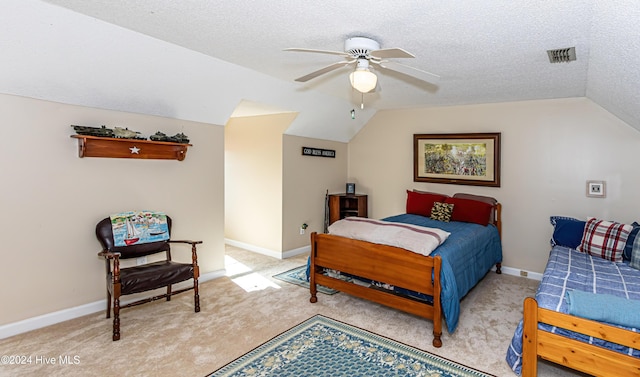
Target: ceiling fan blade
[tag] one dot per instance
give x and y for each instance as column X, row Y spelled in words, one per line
column 324, row 70
column 408, row 70
column 391, row 53
column 341, row 53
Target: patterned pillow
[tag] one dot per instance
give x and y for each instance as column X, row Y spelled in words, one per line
column 628, row 247
column 442, row 211
column 605, row 239
column 635, row 254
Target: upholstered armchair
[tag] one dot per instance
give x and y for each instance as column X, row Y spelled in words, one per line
column 146, row 277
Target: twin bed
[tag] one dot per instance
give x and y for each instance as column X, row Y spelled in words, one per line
column 430, row 286
column 560, row 325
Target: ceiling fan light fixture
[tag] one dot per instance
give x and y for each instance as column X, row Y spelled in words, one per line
column 363, row 80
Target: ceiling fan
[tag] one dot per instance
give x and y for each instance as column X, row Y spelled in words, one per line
column 365, row 53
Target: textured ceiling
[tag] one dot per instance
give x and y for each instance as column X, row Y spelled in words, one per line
column 484, row 50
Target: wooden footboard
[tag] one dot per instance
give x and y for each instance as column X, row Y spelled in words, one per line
column 388, row 264
column 575, row 354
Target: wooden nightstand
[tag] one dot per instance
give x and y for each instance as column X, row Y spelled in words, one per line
column 343, row 205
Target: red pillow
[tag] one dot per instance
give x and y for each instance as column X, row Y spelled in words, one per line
column 470, row 211
column 419, row 203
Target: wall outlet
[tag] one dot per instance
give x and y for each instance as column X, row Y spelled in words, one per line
column 523, row 273
column 141, row 260
column 301, row 230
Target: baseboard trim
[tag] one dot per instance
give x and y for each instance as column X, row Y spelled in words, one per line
column 48, row 319
column 298, row 251
column 518, row 272
column 255, row 249
column 268, row 252
column 29, row 324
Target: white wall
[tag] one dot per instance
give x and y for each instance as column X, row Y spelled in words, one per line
column 51, row 201
column 550, row 149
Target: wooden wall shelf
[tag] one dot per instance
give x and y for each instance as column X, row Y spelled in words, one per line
column 95, row 146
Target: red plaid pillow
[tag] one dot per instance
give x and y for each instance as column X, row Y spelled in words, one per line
column 604, row 239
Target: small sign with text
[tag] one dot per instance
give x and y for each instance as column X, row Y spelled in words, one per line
column 307, row 151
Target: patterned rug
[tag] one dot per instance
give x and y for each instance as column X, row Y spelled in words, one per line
column 321, row 346
column 298, row 276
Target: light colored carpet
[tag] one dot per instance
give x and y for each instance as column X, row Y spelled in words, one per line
column 169, row 339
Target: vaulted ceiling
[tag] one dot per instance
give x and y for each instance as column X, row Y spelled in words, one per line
column 483, row 50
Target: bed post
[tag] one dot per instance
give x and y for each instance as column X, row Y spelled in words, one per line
column 498, row 223
column 530, row 338
column 498, row 218
column 437, row 305
column 312, row 270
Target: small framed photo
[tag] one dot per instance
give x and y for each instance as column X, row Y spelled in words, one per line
column 351, row 189
column 596, row 189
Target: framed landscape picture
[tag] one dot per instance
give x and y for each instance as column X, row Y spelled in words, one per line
column 461, row 159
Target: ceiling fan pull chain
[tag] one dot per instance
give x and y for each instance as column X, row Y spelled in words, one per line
column 361, row 101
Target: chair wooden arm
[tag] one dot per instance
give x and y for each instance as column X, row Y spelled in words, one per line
column 185, row 241
column 109, row 254
column 194, row 257
column 115, row 271
column 194, row 254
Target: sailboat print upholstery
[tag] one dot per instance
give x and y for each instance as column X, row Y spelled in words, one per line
column 128, row 280
column 136, row 227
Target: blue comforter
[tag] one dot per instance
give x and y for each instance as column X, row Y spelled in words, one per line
column 571, row 270
column 467, row 255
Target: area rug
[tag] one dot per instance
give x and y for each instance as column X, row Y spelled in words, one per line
column 298, row 276
column 321, row 346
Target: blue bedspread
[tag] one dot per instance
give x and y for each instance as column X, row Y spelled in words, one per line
column 470, row 251
column 568, row 269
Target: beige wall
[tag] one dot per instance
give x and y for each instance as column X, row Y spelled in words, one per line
column 271, row 188
column 306, row 181
column 550, row 149
column 52, row 199
column 253, row 169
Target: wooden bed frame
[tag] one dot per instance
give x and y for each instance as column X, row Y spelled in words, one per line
column 388, row 264
column 573, row 353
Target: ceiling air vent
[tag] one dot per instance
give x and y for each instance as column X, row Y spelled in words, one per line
column 562, row 55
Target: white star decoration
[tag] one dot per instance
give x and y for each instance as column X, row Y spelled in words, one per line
column 135, row 150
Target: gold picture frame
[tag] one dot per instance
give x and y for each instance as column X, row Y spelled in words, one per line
column 461, row 159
